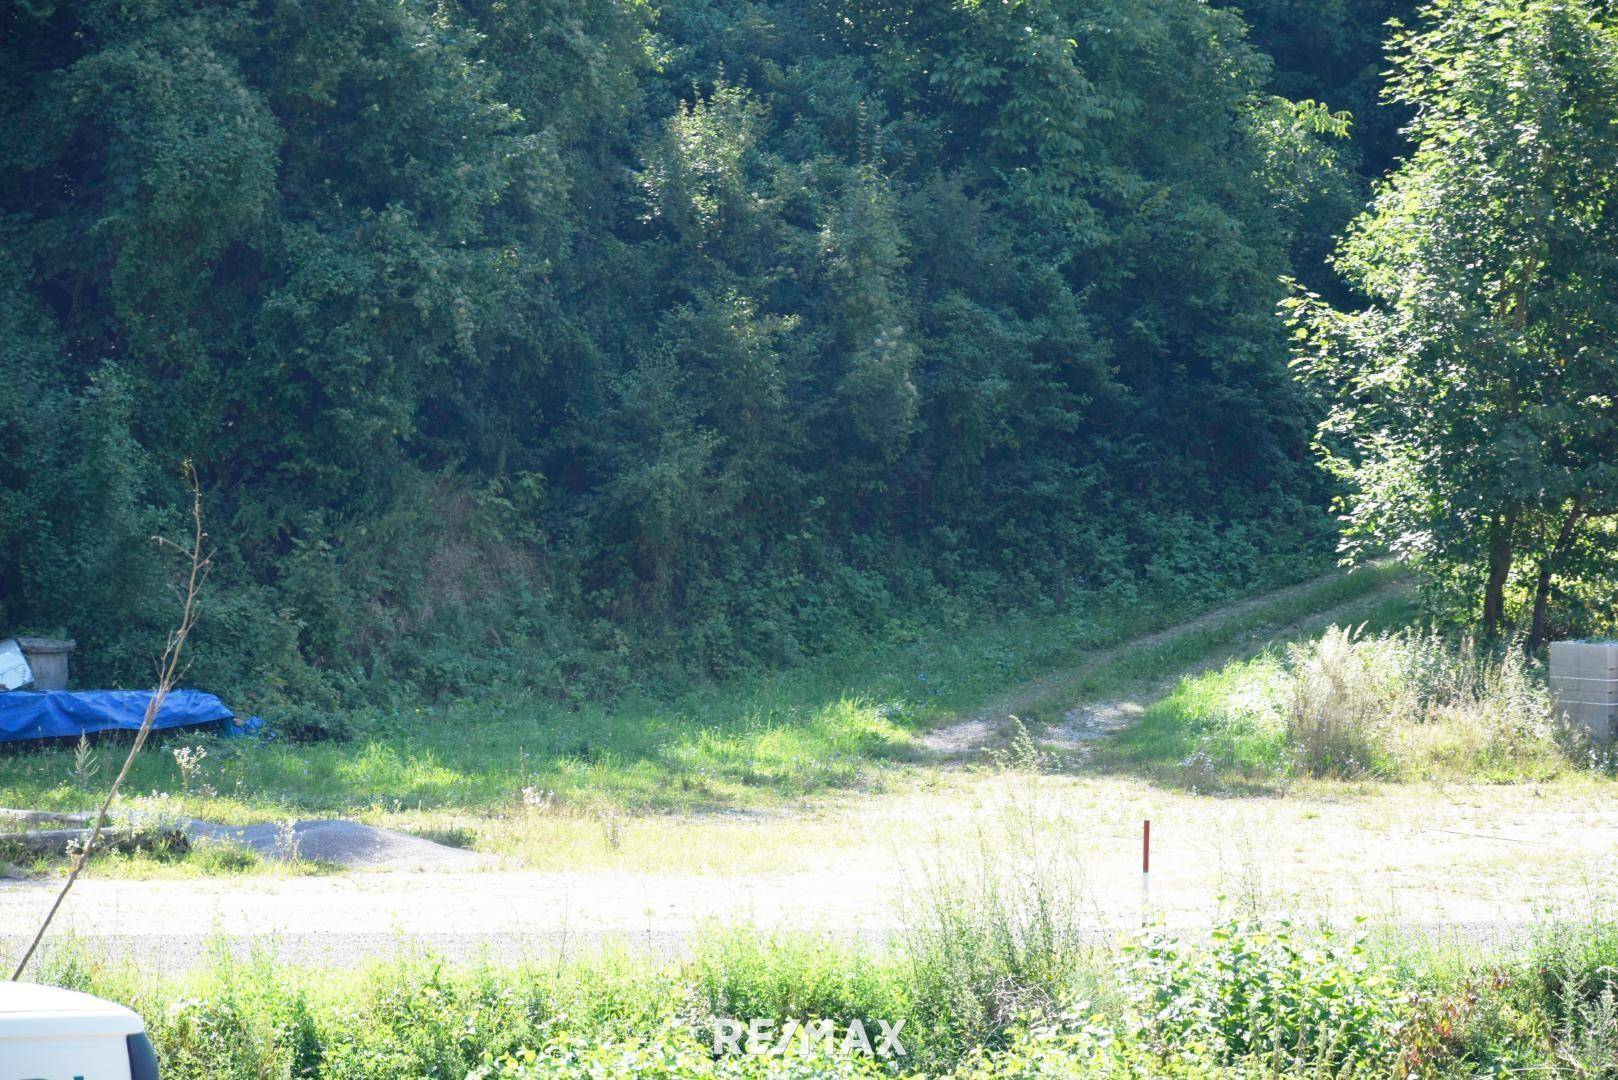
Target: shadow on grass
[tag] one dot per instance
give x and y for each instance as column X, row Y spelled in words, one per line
column 836, row 724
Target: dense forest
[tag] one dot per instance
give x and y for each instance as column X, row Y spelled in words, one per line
column 563, row 344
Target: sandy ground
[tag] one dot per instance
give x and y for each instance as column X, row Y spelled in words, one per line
column 1477, row 856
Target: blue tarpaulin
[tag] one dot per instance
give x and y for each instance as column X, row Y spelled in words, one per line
column 69, row 713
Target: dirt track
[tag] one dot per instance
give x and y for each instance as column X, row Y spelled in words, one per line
column 974, row 732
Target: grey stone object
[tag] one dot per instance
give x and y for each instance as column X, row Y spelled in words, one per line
column 47, row 658
column 1584, row 681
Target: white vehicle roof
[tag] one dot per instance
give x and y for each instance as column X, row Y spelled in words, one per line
column 30, row 1011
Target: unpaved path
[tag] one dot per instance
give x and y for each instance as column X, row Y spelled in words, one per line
column 1086, row 721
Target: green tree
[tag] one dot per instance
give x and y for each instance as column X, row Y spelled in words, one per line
column 1333, row 51
column 1473, row 398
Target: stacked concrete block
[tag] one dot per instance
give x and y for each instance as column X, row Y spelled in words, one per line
column 1584, row 679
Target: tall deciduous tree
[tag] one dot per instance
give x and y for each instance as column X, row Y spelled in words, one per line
column 1475, row 399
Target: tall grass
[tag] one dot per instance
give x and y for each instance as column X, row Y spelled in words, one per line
column 993, row 930
column 1397, row 705
column 1414, row 703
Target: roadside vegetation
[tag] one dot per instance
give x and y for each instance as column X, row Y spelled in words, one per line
column 1003, row 993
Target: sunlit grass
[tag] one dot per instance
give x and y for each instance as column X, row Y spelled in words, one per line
column 623, row 783
column 1354, row 701
column 844, row 721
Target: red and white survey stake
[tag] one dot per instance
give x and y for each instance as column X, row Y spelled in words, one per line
column 1145, row 869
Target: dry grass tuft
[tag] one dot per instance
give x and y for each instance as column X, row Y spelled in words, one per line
column 1413, row 703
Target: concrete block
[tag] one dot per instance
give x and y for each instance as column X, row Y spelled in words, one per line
column 1592, row 659
column 1602, row 725
column 1584, row 681
column 1572, row 687
column 1586, row 718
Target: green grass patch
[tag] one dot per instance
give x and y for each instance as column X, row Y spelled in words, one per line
column 1220, row 722
column 834, row 724
column 1374, row 699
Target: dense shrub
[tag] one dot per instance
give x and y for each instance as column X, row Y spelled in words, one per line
column 1268, row 996
column 594, row 346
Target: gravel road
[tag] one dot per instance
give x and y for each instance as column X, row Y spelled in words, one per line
column 344, row 919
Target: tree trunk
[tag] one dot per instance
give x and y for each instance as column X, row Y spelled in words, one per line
column 1500, row 553
column 1547, row 571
